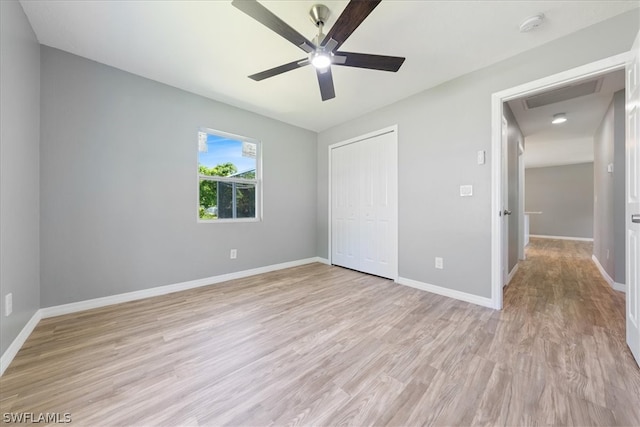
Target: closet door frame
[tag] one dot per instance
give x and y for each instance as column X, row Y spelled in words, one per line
column 388, row 130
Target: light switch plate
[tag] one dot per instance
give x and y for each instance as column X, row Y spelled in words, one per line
column 8, row 304
column 610, row 168
column 466, row 190
column 481, row 157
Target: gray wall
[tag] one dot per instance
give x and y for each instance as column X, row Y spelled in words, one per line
column 19, row 170
column 440, row 130
column 564, row 195
column 119, row 188
column 609, row 224
column 514, row 138
column 603, row 207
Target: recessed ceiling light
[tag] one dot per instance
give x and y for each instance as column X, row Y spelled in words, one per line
column 559, row 118
column 531, row 23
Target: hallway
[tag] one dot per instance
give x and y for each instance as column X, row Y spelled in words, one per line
column 570, row 326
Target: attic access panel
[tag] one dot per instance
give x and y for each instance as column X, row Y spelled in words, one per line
column 563, row 94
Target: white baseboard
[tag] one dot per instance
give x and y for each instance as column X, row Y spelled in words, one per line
column 614, row 285
column 323, row 260
column 580, row 239
column 451, row 293
column 620, row 287
column 19, row 341
column 74, row 307
column 512, row 273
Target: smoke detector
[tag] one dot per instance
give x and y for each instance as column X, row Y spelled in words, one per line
column 531, row 23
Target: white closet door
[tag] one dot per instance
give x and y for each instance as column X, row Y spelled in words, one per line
column 345, row 194
column 364, row 205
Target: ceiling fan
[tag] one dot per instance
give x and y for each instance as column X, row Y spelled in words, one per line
column 323, row 50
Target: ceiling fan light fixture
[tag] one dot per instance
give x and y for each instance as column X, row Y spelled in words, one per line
column 320, row 60
column 559, row 118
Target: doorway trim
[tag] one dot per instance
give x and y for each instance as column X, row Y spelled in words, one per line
column 391, row 129
column 603, row 66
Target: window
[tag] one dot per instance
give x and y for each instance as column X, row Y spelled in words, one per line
column 228, row 177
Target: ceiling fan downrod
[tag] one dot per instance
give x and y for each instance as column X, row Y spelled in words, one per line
column 319, row 15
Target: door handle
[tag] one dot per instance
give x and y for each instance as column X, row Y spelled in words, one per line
column 635, row 218
column 507, row 212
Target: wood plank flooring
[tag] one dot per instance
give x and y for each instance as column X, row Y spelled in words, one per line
column 320, row 345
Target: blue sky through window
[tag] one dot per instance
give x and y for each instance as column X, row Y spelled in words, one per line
column 222, row 150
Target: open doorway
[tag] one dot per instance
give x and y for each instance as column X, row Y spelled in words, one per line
column 502, row 202
column 630, row 63
column 564, row 171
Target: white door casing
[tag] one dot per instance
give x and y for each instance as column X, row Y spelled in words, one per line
column 363, row 203
column 632, row 183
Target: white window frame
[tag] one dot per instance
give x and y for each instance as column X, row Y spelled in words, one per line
column 257, row 182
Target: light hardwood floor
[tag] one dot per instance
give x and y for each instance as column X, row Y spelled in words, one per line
column 320, row 345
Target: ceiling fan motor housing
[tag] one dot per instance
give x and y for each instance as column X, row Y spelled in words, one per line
column 319, row 14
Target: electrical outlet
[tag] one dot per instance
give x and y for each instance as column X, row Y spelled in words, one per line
column 8, row 304
column 233, row 254
column 439, row 263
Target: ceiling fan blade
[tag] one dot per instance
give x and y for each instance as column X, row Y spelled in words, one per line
column 351, row 17
column 325, row 79
column 373, row 62
column 337, row 59
column 279, row 70
column 271, row 21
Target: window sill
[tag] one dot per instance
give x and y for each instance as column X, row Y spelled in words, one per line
column 227, row 220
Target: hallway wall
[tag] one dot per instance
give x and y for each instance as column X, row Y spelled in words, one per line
column 564, row 195
column 608, row 147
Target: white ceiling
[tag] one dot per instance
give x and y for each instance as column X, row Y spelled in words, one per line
column 210, row 47
column 571, row 142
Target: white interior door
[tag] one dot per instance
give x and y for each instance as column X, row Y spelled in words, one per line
column 633, row 200
column 505, row 200
column 523, row 229
column 364, row 205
